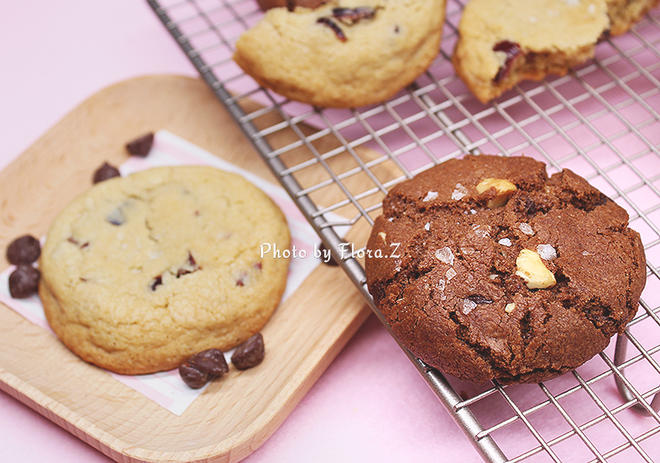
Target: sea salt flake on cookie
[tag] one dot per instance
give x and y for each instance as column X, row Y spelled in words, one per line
column 459, row 192
column 505, row 242
column 430, row 196
column 468, row 306
column 445, row 255
column 526, row 229
column 451, row 273
column 546, row 251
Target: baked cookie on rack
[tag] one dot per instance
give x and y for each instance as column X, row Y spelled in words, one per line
column 143, row 271
column 290, row 4
column 485, row 268
column 345, row 53
column 505, row 42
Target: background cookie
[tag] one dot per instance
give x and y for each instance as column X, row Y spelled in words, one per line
column 325, row 58
column 140, row 272
column 268, row 4
column 502, row 42
column 466, row 297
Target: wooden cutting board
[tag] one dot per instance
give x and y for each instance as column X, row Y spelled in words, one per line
column 233, row 416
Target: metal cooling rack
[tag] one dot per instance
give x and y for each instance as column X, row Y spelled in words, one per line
column 601, row 121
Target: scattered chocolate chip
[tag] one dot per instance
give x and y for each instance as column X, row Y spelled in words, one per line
column 105, row 172
column 512, row 51
column 210, row 361
column 141, row 146
column 334, row 26
column 24, row 281
column 116, row 217
column 203, row 367
column 156, row 282
column 250, row 353
column 23, row 250
column 324, row 253
column 350, row 16
column 193, row 378
column 479, row 299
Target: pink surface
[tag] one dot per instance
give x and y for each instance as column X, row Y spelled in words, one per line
column 370, row 404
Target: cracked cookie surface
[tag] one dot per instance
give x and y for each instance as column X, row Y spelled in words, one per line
column 141, row 272
column 519, row 290
column 338, row 56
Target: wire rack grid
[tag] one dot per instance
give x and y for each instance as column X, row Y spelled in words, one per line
column 601, row 120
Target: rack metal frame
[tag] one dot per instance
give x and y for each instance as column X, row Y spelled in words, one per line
column 625, row 75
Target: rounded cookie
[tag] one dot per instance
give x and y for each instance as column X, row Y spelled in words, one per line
column 485, row 268
column 345, row 53
column 141, row 272
column 502, row 42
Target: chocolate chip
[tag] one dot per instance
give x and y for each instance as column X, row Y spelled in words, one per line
column 512, row 51
column 74, row 241
column 350, row 16
column 23, row 250
column 105, row 172
column 605, row 35
column 189, row 267
column 328, row 22
column 116, row 217
column 324, row 253
column 141, row 146
column 479, row 299
column 193, row 378
column 156, row 282
column 210, row 361
column 250, row 353
column 24, row 281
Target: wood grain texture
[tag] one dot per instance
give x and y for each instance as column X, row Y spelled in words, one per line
column 233, row 416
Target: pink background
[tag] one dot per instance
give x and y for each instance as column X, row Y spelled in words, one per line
column 370, row 405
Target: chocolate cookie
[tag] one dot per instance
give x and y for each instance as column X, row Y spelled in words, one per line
column 492, row 270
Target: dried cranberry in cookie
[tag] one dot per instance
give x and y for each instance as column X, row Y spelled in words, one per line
column 520, row 290
column 502, row 42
